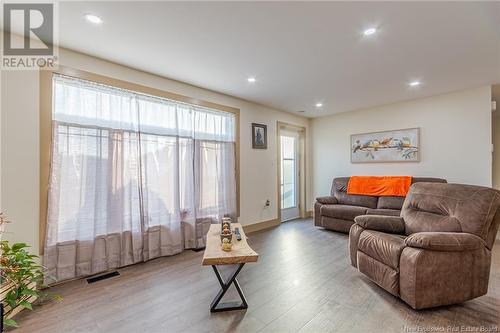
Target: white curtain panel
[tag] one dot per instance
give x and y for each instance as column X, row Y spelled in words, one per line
column 133, row 177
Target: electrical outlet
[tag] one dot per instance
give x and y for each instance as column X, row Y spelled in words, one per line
column 268, row 203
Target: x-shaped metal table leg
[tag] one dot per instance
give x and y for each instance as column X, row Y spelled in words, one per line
column 215, row 306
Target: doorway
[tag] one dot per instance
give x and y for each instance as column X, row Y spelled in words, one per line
column 291, row 172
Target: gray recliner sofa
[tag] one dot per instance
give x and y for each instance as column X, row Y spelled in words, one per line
column 337, row 211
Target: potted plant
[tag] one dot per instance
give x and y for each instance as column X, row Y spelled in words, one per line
column 21, row 278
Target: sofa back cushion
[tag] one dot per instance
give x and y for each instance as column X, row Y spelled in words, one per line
column 390, row 202
column 450, row 207
column 397, row 202
column 339, row 191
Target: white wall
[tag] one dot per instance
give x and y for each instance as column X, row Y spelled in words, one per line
column 20, row 141
column 455, row 139
column 496, row 137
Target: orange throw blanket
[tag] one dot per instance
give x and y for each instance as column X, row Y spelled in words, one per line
column 379, row 186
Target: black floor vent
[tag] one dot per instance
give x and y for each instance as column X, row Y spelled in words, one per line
column 199, row 250
column 103, row 277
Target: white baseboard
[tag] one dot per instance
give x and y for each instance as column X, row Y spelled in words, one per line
column 260, row 226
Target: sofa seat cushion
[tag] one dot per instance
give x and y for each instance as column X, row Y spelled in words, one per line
column 385, row 212
column 332, row 223
column 343, row 212
column 383, row 247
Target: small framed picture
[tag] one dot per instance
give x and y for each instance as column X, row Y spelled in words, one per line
column 259, row 136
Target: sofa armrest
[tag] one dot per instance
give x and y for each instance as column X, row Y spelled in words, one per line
column 327, row 200
column 445, row 241
column 389, row 224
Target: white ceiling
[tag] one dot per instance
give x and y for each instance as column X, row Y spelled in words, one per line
column 300, row 53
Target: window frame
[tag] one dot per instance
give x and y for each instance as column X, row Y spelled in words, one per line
column 46, row 108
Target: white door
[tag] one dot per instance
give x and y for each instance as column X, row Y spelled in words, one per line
column 289, row 186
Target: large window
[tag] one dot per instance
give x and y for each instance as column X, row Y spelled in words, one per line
column 133, row 176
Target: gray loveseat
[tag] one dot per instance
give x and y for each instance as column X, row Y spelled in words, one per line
column 337, row 211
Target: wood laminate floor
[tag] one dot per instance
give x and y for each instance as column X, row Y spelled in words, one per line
column 303, row 282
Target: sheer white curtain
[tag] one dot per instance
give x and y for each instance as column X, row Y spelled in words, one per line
column 133, row 177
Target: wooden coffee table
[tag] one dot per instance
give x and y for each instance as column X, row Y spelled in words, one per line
column 240, row 254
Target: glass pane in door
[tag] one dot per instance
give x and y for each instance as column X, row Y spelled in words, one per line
column 288, row 172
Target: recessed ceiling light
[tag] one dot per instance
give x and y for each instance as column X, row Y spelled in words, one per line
column 318, row 105
column 93, row 19
column 251, row 79
column 414, row 83
column 370, row 31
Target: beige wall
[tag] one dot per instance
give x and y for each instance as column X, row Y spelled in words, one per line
column 20, row 139
column 19, row 159
column 455, row 139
